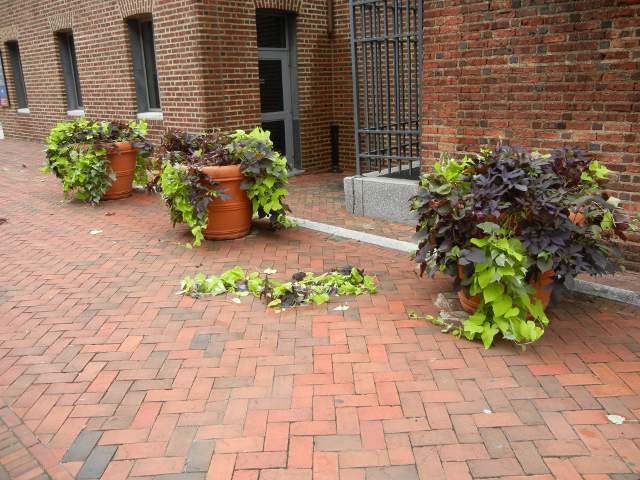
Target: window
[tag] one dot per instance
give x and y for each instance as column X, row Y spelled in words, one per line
column 144, row 64
column 4, row 96
column 18, row 78
column 70, row 70
column 272, row 29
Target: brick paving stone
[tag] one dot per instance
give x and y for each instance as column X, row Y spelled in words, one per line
column 199, row 455
column 82, row 446
column 97, row 462
column 403, row 472
column 105, row 369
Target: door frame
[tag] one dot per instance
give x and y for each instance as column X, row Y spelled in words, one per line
column 286, row 114
column 289, row 62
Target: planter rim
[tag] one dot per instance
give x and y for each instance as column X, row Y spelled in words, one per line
column 119, row 146
column 228, row 172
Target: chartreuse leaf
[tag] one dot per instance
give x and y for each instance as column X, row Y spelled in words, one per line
column 501, row 305
column 488, row 333
column 231, row 277
column 471, row 329
column 485, row 277
column 492, row 292
column 478, row 318
column 479, row 242
column 512, row 312
column 255, row 284
column 489, row 227
column 320, row 298
column 369, row 284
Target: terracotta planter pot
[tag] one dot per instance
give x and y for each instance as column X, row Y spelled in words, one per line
column 543, row 287
column 229, row 217
column 122, row 160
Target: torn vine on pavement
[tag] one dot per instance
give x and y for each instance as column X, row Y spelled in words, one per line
column 303, row 287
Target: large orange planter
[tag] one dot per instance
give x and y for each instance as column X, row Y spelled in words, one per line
column 122, row 160
column 543, row 287
column 229, row 217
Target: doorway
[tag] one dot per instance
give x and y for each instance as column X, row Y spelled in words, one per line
column 277, row 71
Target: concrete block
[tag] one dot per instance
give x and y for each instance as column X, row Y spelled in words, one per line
column 348, row 193
column 375, row 196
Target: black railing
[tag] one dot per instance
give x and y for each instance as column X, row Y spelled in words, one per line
column 386, row 54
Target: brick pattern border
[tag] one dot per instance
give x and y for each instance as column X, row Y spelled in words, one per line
column 25, row 456
column 129, row 8
column 287, row 5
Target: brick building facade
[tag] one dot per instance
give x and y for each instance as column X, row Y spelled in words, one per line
column 207, row 65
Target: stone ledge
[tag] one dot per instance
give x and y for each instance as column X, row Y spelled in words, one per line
column 376, row 196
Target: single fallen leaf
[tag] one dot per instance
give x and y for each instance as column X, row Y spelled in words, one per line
column 109, row 214
column 236, row 300
column 341, row 308
column 487, row 411
column 269, row 271
column 95, row 232
column 617, row 419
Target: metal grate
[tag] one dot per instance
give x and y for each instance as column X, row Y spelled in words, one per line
column 386, row 53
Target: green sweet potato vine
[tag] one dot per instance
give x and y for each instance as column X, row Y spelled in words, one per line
column 266, row 172
column 187, row 192
column 77, row 154
column 507, row 304
column 302, row 288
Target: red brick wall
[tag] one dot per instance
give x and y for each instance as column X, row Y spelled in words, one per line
column 207, row 64
column 541, row 74
column 342, row 85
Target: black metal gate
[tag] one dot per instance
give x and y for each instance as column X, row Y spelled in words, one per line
column 386, row 59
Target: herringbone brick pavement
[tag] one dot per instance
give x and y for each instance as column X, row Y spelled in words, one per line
column 116, row 376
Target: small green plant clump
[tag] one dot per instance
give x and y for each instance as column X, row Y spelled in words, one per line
column 506, row 302
column 77, row 154
column 302, row 288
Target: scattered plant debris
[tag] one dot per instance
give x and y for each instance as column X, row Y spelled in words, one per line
column 617, row 419
column 303, row 288
column 452, row 327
